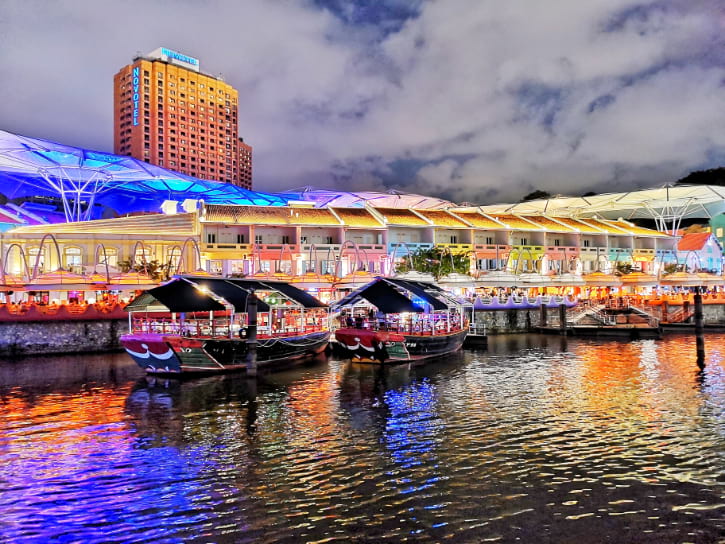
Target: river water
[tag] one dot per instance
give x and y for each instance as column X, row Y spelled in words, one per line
column 536, row 439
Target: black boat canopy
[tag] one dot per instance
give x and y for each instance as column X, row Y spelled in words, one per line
column 422, row 290
column 204, row 294
column 385, row 295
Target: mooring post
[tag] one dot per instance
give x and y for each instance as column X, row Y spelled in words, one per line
column 699, row 329
column 252, row 335
column 562, row 319
column 543, row 317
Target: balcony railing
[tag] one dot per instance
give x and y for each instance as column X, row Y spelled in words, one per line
column 412, row 246
column 245, row 248
column 455, row 248
column 562, row 251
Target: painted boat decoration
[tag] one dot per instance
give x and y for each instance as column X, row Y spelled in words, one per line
column 390, row 320
column 199, row 324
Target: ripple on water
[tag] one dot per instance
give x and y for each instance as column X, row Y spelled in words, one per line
column 536, row 439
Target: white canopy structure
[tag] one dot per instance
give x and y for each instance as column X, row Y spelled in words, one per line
column 667, row 206
column 80, row 178
column 392, row 199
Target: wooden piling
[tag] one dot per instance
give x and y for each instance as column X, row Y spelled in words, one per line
column 252, row 335
column 562, row 319
column 699, row 330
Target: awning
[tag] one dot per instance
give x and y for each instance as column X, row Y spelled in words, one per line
column 204, row 294
column 382, row 295
column 177, row 296
column 419, row 289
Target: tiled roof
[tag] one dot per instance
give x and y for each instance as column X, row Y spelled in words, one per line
column 176, row 225
column 442, row 218
column 516, row 222
column 478, row 220
column 611, row 227
column 357, row 217
column 634, row 229
column 581, row 226
column 693, row 241
column 399, row 216
column 549, row 224
column 269, row 215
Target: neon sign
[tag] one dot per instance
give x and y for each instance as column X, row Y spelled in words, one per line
column 178, row 56
column 135, row 74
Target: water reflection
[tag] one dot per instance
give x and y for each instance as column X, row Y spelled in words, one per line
column 536, row 439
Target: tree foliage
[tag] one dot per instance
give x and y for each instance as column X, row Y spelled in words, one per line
column 154, row 269
column 713, row 176
column 536, row 195
column 436, row 261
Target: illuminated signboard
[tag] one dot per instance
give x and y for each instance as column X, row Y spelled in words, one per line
column 178, row 56
column 136, row 76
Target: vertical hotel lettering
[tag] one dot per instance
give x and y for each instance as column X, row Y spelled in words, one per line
column 135, row 95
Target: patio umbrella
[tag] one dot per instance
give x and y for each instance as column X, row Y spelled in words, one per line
column 456, row 279
column 711, row 280
column 639, row 279
column 600, row 279
column 682, row 279
column 59, row 280
column 497, row 278
column 131, row 281
column 534, row 280
column 567, row 280
column 414, row 275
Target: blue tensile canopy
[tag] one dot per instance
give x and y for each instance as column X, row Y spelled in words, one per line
column 82, row 178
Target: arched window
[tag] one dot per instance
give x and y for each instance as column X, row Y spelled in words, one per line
column 110, row 257
column 143, row 254
column 173, row 257
column 73, row 259
column 33, row 257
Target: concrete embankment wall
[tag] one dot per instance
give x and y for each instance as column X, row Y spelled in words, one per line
column 713, row 314
column 510, row 321
column 36, row 338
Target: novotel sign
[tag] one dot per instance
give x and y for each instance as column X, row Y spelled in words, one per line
column 178, row 56
column 136, row 76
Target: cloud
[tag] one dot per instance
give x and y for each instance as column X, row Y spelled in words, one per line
column 473, row 100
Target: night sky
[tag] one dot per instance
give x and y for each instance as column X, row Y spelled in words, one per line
column 472, row 100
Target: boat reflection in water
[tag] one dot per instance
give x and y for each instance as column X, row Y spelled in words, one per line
column 537, row 439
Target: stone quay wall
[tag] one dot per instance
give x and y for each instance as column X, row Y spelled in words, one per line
column 37, row 338
column 510, row 321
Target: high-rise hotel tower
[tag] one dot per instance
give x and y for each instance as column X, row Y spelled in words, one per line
column 167, row 112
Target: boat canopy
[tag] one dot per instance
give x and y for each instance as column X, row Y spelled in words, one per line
column 385, row 294
column 204, row 294
column 423, row 290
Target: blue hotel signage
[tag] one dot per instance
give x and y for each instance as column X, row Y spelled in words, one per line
column 135, row 74
column 178, row 56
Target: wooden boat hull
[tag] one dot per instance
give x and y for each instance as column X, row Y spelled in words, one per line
column 172, row 354
column 382, row 347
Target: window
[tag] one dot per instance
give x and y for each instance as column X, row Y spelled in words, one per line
column 110, row 257
column 257, row 238
column 489, row 240
column 586, row 243
column 240, row 237
column 72, row 257
column 557, row 242
column 285, row 239
column 211, row 238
